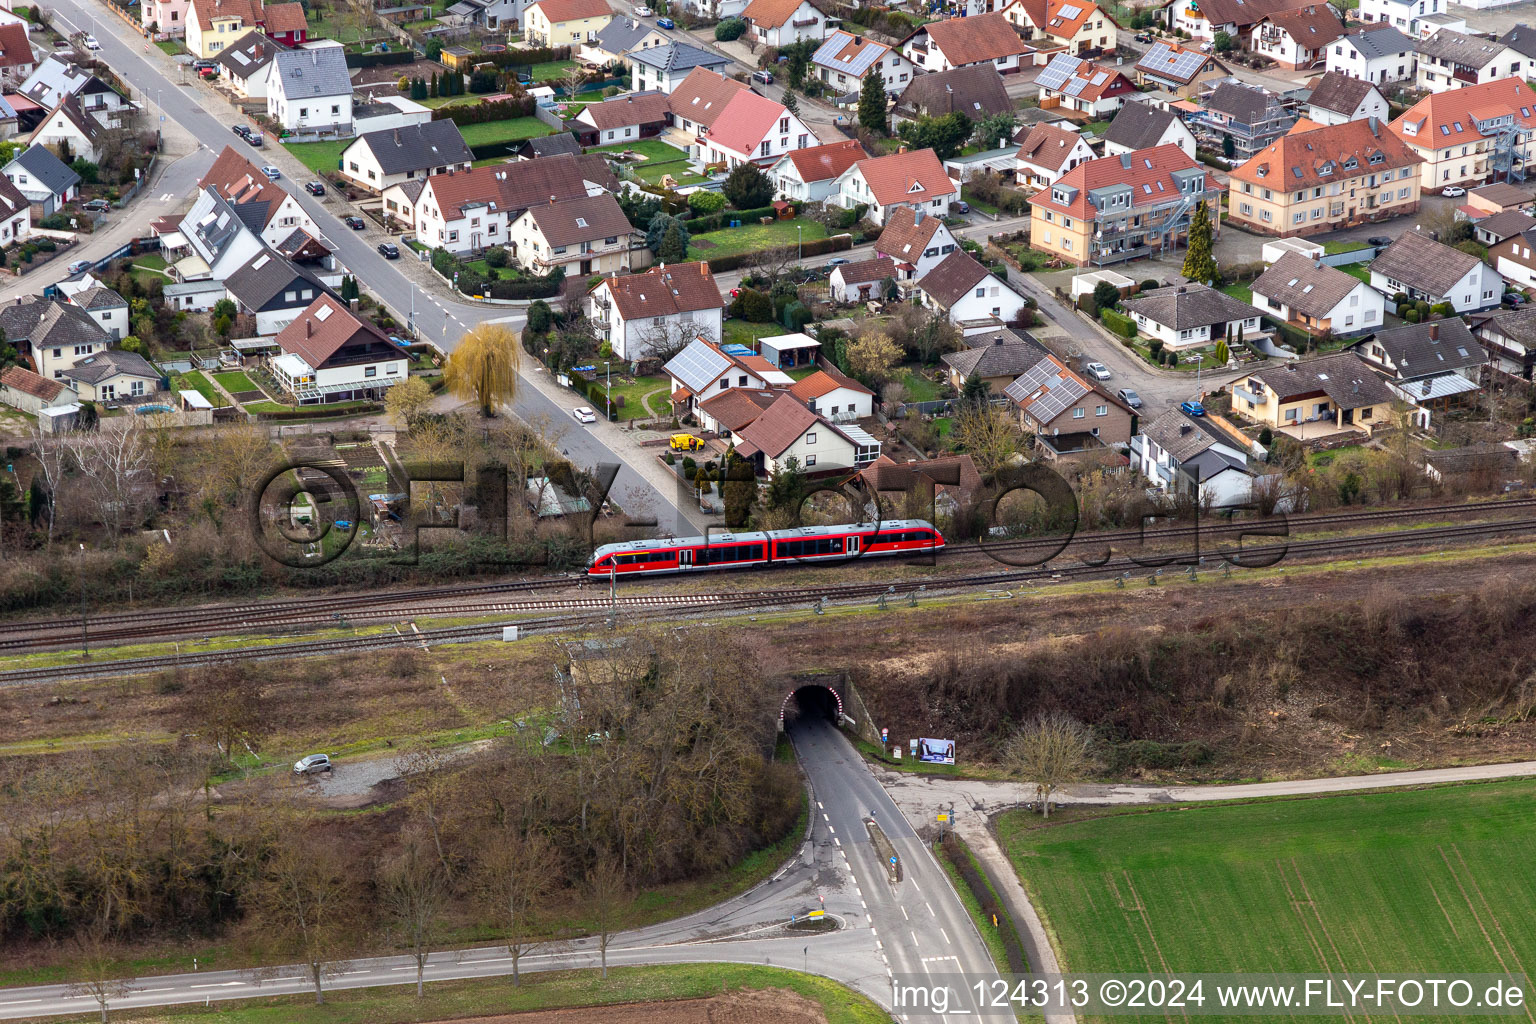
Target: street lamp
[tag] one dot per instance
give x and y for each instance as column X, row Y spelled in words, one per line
column 799, row 243
column 608, row 368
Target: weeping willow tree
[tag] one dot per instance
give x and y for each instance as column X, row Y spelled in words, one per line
column 484, row 367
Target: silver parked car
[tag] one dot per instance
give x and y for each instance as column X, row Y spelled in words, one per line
column 312, row 764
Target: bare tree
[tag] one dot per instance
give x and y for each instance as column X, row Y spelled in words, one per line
column 668, row 338
column 98, row 968
column 516, row 871
column 991, row 436
column 771, row 264
column 1050, row 751
column 303, row 899
column 426, row 771
column 413, row 890
column 606, row 894
column 51, row 456
column 228, row 710
column 115, row 467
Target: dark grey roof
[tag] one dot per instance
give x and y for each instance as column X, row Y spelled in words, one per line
column 99, row 297
column 1515, row 324
column 249, row 54
column 1184, row 437
column 1339, row 93
column 678, row 57
column 1521, row 39
column 1139, row 126
column 1344, row 377
column 621, row 34
column 310, row 73
column 262, row 282
column 1187, row 306
column 1007, row 354
column 222, row 223
column 412, row 189
column 1457, row 48
column 1413, row 353
column 955, row 275
column 975, row 91
column 1419, row 261
column 558, row 144
column 1210, row 462
column 1506, row 225
column 1381, row 42
column 54, row 174
column 417, row 146
column 48, row 323
column 1303, row 285
column 97, row 368
column 1244, row 103
column 1505, row 194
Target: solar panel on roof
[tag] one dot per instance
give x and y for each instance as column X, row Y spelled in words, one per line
column 1070, row 11
column 1101, row 78
column 697, row 365
column 1076, row 86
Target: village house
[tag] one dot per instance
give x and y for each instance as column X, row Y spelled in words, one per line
column 589, row 235
column 987, row 39
column 22, row 389
column 1251, row 116
column 1471, row 135
column 329, row 354
column 1424, row 269
column 264, row 206
column 1122, row 207
column 788, row 430
column 102, row 304
column 214, row 24
column 1513, row 257
column 310, row 91
column 1380, row 55
column 1434, row 365
column 1451, row 60
column 726, row 123
column 1507, row 335
column 1191, row 456
column 565, row 22
column 1314, row 398
column 53, row 333
column 380, row 159
column 1326, row 179
column 916, row 242
column 69, row 129
column 976, row 91
column 286, row 24
column 1490, row 231
column 1070, row 416
column 784, row 22
column 1337, row 98
column 703, row 369
column 15, row 213
column 112, row 376
column 952, row 479
column 832, row 394
column 726, row 412
column 17, row 61
column 1191, row 316
column 1317, row 298
column 466, row 211
column 911, row 178
column 626, row 118
column 619, row 37
column 1078, row 26
column 667, row 67
column 971, row 296
column 1297, row 38
column 1499, row 197
column 164, row 19
column 1143, row 126
column 1403, row 15
column 1203, row 19
column 860, row 281
column 810, row 175
column 56, row 78
column 273, row 290
column 1048, row 152
column 1522, row 39
column 1176, row 71
column 246, row 64
column 997, row 359
column 641, row 313
column 1082, row 86
column 844, row 60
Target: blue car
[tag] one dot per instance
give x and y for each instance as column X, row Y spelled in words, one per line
column 1192, row 408
column 665, row 23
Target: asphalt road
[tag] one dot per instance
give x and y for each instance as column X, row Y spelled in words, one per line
column 194, row 107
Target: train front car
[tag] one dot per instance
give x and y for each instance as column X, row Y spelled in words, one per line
column 806, row 544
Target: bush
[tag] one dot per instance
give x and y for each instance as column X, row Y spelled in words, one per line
column 752, row 306
column 706, row 202
column 482, row 82
column 1106, row 295
column 1155, row 347
column 796, row 316
column 55, row 222
column 669, row 459
column 730, row 30
column 1266, row 437
column 1149, row 284
column 697, row 225
column 497, row 257
column 1442, row 309
column 1119, row 323
column 689, row 466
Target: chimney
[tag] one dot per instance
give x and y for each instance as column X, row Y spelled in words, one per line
column 1434, row 332
column 901, row 148
column 997, row 340
column 1185, row 428
column 1182, row 290
column 917, row 216
column 309, row 325
column 397, row 136
column 703, row 269
column 1375, row 126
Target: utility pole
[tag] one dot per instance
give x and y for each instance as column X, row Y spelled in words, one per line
column 85, row 634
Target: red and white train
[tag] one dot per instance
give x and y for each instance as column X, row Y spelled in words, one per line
column 774, row 547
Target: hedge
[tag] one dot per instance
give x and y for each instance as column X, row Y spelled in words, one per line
column 480, row 113
column 527, row 288
column 321, row 412
column 532, row 55
column 375, row 60
column 960, row 857
column 716, row 221
column 815, row 247
column 1118, row 322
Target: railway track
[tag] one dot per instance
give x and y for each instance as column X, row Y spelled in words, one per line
column 302, row 613
column 643, row 607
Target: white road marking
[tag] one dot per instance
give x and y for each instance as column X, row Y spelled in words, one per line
column 904, row 916
column 838, row 841
column 818, row 802
column 914, row 937
column 20, row 1002
column 930, row 907
column 946, row 935
column 218, row 984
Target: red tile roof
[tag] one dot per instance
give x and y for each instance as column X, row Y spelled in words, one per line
column 985, row 37
column 855, row 46
column 823, row 163
column 517, row 186
column 1060, row 22
column 865, row 271
column 734, row 408
column 913, row 176
column 703, row 96
column 771, row 13
column 1450, row 118
column 1046, row 145
column 1312, row 27
column 240, row 181
column 663, row 291
column 1149, row 174
column 746, row 120
column 1112, row 83
column 905, row 237
column 249, row 12
column 15, row 49
column 781, row 425
column 323, row 328
column 824, row 382
column 285, row 18
column 1321, row 155
column 24, row 380
column 572, row 10
column 636, row 108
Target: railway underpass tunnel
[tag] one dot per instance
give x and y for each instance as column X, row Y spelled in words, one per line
column 812, row 701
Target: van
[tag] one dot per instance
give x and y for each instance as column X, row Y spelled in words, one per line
column 685, row 443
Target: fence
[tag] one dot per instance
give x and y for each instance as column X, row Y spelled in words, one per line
column 1341, row 259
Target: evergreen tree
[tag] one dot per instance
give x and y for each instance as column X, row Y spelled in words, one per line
column 1228, row 147
column 1199, row 264
column 872, row 114
column 786, row 487
column 976, row 391
column 674, row 249
column 1223, row 353
column 436, row 86
column 37, row 501
column 790, row 103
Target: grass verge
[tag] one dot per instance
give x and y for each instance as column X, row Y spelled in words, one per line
column 320, row 157
column 989, row 933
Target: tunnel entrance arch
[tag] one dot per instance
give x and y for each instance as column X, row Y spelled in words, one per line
column 811, row 700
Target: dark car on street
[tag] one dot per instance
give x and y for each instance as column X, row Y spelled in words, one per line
column 315, row 188
column 389, row 250
column 354, row 222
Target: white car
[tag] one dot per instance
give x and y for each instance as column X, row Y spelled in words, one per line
column 643, row 12
column 1453, row 191
column 584, row 415
column 312, row 764
column 271, row 172
column 1098, row 371
column 91, row 43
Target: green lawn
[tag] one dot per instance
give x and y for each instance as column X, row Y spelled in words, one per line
column 195, row 380
column 235, row 381
column 632, row 393
column 1380, row 882
column 1358, row 270
column 1240, row 290
column 483, row 268
column 551, row 69
column 920, row 388
column 320, row 157
column 739, row 332
column 510, row 130
column 450, row 101
column 660, row 160
column 172, row 46
column 1334, row 248
column 753, row 238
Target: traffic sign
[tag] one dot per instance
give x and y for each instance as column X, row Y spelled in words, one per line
column 893, row 859
column 943, row 817
column 885, row 735
column 816, row 913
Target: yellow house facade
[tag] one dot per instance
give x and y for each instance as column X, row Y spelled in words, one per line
column 565, row 22
column 1316, row 397
column 214, row 24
